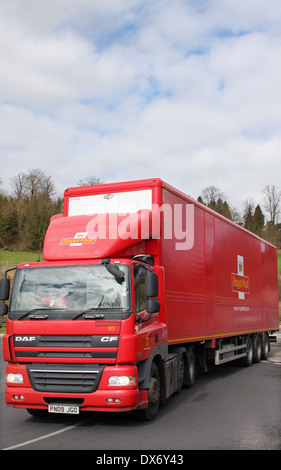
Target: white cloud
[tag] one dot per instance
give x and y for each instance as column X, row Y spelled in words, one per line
column 124, row 89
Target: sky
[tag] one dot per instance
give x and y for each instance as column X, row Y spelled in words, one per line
column 184, row 90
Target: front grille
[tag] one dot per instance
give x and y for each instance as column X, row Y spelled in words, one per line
column 65, row 378
column 67, row 355
column 67, row 341
column 66, row 346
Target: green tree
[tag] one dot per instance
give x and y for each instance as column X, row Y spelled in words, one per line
column 258, row 220
column 248, row 216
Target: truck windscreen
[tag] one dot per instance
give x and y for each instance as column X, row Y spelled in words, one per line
column 72, row 288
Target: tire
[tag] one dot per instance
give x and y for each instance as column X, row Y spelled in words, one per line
column 248, row 360
column 265, row 347
column 190, row 369
column 36, row 412
column 154, row 394
column 258, row 349
column 181, row 372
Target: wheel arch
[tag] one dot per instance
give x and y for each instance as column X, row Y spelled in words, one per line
column 158, row 355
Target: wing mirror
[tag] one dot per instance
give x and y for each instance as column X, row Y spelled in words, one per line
column 4, row 288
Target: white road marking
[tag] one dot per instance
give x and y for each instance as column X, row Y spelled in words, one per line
column 46, row 436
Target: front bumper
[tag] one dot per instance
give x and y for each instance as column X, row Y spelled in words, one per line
column 105, row 398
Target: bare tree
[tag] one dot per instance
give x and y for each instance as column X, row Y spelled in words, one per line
column 32, row 206
column 89, row 181
column 211, row 195
column 272, row 202
column 35, row 182
column 32, row 184
column 48, row 187
column 18, row 184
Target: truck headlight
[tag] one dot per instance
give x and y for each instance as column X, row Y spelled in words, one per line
column 122, row 380
column 14, row 378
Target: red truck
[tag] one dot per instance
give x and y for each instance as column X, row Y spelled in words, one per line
column 141, row 286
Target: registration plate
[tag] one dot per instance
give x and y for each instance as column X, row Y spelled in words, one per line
column 67, row 409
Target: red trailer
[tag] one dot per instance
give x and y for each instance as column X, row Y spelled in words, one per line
column 140, row 286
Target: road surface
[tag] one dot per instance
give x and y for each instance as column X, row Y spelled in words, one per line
column 230, row 407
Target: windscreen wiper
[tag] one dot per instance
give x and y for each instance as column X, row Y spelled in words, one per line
column 87, row 315
column 37, row 317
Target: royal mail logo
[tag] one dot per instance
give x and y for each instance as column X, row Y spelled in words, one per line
column 108, row 196
column 80, row 238
column 240, row 283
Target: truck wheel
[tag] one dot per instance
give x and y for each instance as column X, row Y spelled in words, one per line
column 154, row 393
column 181, row 372
column 190, row 369
column 248, row 360
column 38, row 413
column 258, row 349
column 265, row 347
